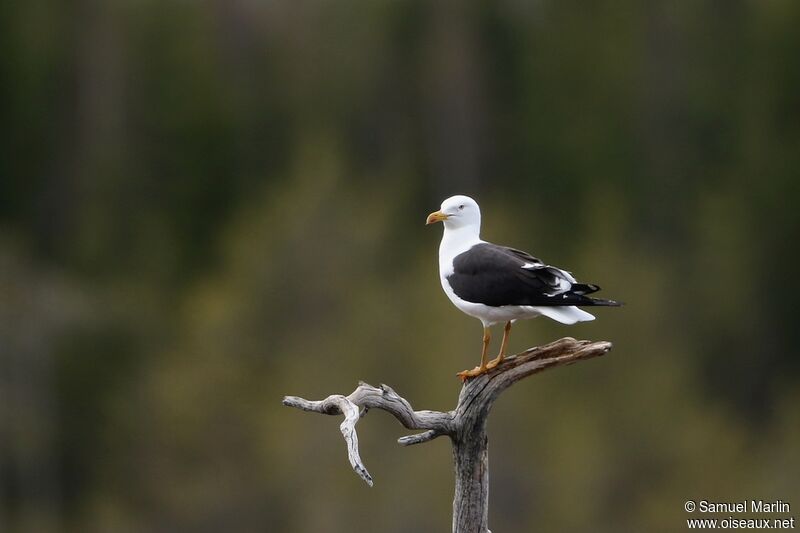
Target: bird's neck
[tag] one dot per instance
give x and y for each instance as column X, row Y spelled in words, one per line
column 456, row 241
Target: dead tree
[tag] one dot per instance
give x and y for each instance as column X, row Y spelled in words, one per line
column 465, row 425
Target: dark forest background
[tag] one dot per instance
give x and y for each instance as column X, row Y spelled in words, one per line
column 207, row 205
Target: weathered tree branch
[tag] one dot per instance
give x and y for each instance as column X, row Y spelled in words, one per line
column 465, row 425
column 368, row 397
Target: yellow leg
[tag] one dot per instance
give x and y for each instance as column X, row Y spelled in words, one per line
column 487, row 337
column 503, row 345
column 478, row 370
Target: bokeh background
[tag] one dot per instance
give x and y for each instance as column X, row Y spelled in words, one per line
column 207, row 205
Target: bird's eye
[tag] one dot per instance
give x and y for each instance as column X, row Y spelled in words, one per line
column 461, row 206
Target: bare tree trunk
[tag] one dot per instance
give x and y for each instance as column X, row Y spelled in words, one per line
column 465, row 425
column 471, row 501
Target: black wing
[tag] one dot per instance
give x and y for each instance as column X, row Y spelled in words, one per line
column 577, row 288
column 496, row 276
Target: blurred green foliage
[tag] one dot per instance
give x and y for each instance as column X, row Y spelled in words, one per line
column 205, row 206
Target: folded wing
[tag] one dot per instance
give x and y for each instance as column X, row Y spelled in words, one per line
column 497, row 276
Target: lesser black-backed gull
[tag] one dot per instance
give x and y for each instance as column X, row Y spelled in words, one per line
column 498, row 284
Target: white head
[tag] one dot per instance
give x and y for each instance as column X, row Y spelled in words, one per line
column 458, row 212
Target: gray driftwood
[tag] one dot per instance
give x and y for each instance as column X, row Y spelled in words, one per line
column 465, row 425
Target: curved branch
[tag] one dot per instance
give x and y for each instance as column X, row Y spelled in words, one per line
column 366, row 397
column 466, row 425
column 479, row 393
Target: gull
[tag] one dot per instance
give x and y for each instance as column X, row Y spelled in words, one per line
column 499, row 284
